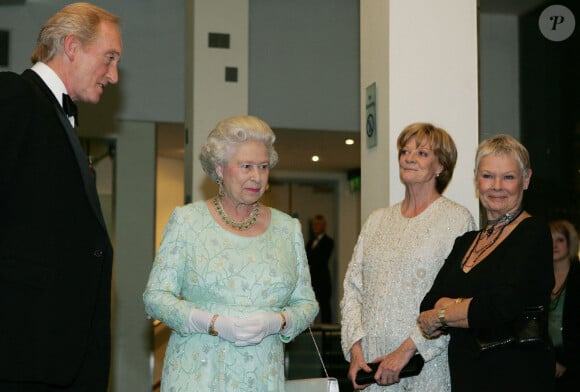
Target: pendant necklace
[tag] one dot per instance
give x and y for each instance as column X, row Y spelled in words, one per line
column 508, row 218
column 238, row 225
column 501, row 222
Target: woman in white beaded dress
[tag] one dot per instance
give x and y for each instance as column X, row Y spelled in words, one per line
column 231, row 277
column 397, row 256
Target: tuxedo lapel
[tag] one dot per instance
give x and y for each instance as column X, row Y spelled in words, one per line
column 87, row 177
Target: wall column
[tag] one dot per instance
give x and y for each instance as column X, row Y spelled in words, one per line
column 422, row 55
column 135, row 229
column 208, row 96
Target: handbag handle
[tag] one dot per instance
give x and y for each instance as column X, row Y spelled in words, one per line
column 318, row 351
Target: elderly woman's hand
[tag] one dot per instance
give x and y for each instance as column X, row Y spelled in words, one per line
column 391, row 364
column 240, row 331
column 429, row 323
column 357, row 362
column 254, row 329
column 444, row 301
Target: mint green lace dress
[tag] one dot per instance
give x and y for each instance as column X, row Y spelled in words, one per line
column 201, row 265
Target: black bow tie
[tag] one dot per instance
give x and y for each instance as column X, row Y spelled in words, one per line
column 70, row 108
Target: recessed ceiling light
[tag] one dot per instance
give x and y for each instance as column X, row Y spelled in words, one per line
column 315, row 158
column 349, row 142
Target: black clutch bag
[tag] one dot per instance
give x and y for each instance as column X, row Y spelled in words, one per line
column 411, row 369
column 530, row 330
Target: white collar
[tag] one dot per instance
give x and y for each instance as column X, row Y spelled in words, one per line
column 51, row 79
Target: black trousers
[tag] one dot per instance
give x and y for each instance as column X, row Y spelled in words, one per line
column 93, row 375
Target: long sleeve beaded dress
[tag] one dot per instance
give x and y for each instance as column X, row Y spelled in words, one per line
column 201, row 265
column 393, row 265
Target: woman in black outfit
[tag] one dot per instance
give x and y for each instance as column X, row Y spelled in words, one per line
column 564, row 320
column 490, row 277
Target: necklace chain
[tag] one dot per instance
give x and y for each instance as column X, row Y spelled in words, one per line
column 238, row 225
column 507, row 218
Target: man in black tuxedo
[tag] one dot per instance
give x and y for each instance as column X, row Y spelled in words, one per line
column 55, row 252
column 318, row 250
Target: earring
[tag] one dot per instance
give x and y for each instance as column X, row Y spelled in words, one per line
column 437, row 174
column 220, row 182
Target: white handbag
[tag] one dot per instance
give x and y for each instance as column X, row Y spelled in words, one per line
column 319, row 384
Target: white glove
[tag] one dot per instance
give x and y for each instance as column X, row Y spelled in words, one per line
column 242, row 332
column 255, row 328
column 199, row 320
column 228, row 328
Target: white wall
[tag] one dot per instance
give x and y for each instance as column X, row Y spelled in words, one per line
column 209, row 98
column 375, row 68
column 424, row 73
column 304, row 63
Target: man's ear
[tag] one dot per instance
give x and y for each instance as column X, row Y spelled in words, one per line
column 70, row 45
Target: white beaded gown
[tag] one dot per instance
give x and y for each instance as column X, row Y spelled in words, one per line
column 393, row 265
column 201, row 265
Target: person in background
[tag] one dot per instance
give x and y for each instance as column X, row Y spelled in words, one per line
column 491, row 277
column 318, row 251
column 55, row 252
column 564, row 317
column 231, row 277
column 397, row 255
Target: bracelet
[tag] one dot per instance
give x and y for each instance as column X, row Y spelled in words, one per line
column 441, row 316
column 211, row 329
column 283, row 325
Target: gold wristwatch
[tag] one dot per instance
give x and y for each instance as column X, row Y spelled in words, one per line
column 211, row 329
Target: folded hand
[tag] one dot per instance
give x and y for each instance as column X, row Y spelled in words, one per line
column 253, row 329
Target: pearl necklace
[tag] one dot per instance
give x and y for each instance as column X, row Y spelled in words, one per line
column 238, row 225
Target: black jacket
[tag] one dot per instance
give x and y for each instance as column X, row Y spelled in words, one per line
column 55, row 253
column 570, row 356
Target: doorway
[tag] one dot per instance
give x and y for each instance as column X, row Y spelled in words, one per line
column 303, row 199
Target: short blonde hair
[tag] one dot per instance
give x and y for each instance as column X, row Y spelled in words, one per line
column 504, row 145
column 439, row 141
column 230, row 132
column 79, row 19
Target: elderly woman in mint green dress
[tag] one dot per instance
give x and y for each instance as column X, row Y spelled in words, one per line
column 231, row 277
